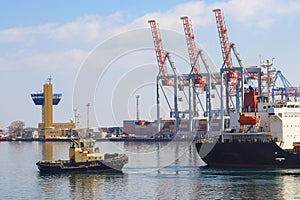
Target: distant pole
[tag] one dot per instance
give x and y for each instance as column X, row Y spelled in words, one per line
column 88, row 116
column 75, row 116
column 137, row 108
column 78, row 120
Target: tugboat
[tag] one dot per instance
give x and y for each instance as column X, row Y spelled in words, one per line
column 83, row 157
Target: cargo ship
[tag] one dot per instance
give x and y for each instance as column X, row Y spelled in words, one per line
column 263, row 117
column 83, row 157
column 265, row 135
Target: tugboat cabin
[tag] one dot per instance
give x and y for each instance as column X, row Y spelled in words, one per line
column 83, row 151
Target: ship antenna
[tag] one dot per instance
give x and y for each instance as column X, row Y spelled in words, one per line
column 88, row 118
column 50, row 79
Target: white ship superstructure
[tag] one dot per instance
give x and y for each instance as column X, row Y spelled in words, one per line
column 285, row 123
column 280, row 119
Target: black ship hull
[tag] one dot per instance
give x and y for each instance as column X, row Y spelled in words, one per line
column 112, row 163
column 246, row 155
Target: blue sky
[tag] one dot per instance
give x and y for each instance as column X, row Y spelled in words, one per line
column 33, row 12
column 43, row 38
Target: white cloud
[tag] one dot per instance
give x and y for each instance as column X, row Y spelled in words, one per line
column 261, row 13
column 265, row 23
column 32, row 60
column 84, row 30
column 94, row 28
column 54, row 41
column 55, row 45
column 199, row 12
column 25, row 34
column 55, row 60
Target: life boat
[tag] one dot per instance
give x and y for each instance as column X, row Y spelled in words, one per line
column 247, row 120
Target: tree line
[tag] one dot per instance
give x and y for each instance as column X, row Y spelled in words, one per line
column 16, row 128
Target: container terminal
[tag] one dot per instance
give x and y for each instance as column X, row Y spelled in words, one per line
column 200, row 117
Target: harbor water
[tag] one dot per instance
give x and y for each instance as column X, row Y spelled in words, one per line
column 155, row 171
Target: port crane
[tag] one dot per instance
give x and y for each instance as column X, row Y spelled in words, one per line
column 287, row 91
column 163, row 77
column 161, row 55
column 234, row 77
column 231, row 75
column 199, row 81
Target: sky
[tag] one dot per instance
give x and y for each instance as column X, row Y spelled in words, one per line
column 55, row 38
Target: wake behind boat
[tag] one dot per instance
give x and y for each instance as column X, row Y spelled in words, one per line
column 83, row 157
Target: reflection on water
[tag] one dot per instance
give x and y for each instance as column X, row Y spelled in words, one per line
column 182, row 179
column 55, row 150
column 95, row 186
column 174, row 182
column 256, row 183
column 147, row 157
column 48, row 151
column 290, row 185
column 82, row 186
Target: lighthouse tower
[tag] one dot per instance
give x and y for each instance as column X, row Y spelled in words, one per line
column 46, row 99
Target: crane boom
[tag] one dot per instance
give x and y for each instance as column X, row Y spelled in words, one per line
column 193, row 51
column 224, row 41
column 161, row 55
column 233, row 77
